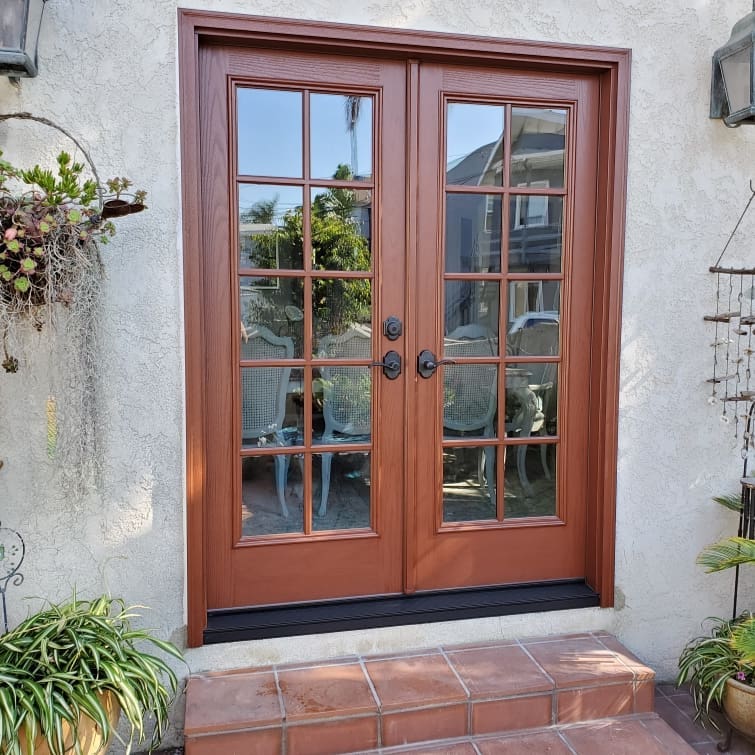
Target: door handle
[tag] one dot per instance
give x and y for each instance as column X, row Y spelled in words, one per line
column 427, row 363
column 391, row 364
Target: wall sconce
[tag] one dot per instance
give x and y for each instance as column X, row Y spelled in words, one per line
column 20, row 21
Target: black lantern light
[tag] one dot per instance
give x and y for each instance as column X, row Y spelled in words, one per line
column 20, row 21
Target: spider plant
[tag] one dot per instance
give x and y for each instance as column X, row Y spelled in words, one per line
column 707, row 662
column 57, row 667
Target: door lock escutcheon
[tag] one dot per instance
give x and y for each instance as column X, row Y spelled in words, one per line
column 427, row 363
column 392, row 328
column 391, row 364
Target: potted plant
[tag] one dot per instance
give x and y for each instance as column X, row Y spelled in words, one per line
column 720, row 667
column 50, row 228
column 68, row 671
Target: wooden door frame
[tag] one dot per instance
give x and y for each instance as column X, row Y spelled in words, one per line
column 610, row 65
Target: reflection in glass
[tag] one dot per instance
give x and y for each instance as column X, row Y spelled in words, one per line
column 342, row 405
column 472, row 316
column 271, row 495
column 473, row 233
column 342, row 491
column 469, row 395
column 533, row 318
column 535, row 234
column 270, row 226
column 537, row 147
column 271, row 400
column 341, row 136
column 474, row 151
column 341, row 229
column 736, row 72
column 469, row 484
column 342, row 316
column 270, row 132
column 277, row 304
column 530, row 481
column 531, row 399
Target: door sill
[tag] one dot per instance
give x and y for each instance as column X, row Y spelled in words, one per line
column 231, row 625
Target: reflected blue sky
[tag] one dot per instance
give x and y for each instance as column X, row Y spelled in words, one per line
column 270, row 133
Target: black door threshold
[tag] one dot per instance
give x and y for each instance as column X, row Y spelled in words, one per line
column 365, row 613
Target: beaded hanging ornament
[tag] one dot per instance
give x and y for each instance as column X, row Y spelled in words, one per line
column 733, row 382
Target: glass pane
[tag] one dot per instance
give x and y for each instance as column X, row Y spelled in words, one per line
column 12, row 24
column 342, row 405
column 341, row 491
column 530, row 481
column 474, row 144
column 272, row 318
column 473, row 233
column 342, row 313
column 341, row 136
column 736, row 71
column 469, row 485
column 469, row 396
column 270, row 132
column 472, row 317
column 537, row 147
column 533, row 318
column 271, row 495
column 531, row 399
column 341, row 227
column 270, row 226
column 271, row 401
column 535, row 234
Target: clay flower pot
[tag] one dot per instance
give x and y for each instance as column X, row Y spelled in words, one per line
column 90, row 737
column 739, row 707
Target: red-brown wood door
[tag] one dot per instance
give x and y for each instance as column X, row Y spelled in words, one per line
column 303, row 193
column 505, row 249
column 329, row 476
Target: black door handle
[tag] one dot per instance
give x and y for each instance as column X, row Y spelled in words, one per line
column 427, row 363
column 391, row 364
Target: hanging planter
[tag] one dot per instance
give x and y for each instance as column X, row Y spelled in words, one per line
column 51, row 226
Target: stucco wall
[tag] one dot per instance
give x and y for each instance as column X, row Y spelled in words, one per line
column 108, row 73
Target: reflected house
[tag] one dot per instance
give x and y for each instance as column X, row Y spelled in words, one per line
column 474, row 224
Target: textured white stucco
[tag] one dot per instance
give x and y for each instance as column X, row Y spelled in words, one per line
column 108, row 73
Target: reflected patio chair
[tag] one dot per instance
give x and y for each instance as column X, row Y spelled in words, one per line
column 263, row 398
column 536, row 395
column 346, row 396
column 470, row 392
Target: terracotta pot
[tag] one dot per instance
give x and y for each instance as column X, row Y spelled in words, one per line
column 90, row 738
column 739, row 707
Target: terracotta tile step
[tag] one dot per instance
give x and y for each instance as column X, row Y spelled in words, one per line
column 363, row 703
column 629, row 735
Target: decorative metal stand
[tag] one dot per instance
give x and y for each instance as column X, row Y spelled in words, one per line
column 733, row 344
column 12, row 552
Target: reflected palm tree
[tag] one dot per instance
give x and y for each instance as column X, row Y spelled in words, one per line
column 353, row 105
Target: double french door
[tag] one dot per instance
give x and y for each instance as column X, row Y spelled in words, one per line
column 397, row 276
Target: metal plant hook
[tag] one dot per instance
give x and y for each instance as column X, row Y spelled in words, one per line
column 12, row 552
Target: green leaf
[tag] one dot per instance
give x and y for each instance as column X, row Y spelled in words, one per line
column 22, row 284
column 28, row 264
column 732, row 551
column 44, row 226
column 74, row 216
column 13, row 246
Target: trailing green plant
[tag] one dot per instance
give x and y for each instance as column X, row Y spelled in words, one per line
column 707, row 662
column 56, row 665
column 51, row 229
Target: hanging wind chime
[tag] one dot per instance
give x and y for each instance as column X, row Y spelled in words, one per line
column 732, row 382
